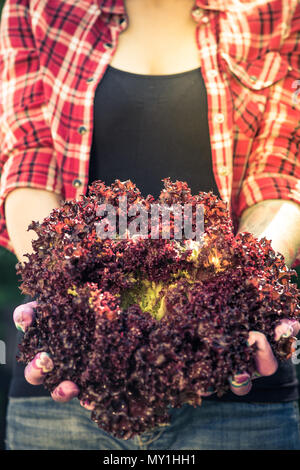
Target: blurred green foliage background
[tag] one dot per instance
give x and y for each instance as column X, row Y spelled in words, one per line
column 10, row 297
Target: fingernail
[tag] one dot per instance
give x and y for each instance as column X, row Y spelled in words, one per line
column 65, row 391
column 19, row 327
column 44, row 362
column 22, row 318
column 240, row 380
column 36, row 369
column 288, row 333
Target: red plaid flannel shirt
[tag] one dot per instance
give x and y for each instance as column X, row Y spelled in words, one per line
column 53, row 54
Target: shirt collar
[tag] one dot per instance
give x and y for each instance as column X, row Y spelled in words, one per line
column 118, row 7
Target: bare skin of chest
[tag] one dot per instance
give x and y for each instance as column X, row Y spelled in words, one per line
column 160, row 38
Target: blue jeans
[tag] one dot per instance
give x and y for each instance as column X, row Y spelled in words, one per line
column 39, row 423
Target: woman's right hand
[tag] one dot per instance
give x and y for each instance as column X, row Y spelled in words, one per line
column 42, row 363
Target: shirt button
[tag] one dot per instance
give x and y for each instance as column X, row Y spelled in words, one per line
column 77, row 183
column 82, row 130
column 219, row 118
column 90, row 79
column 224, row 171
column 212, row 73
column 253, row 78
column 197, row 12
column 108, row 45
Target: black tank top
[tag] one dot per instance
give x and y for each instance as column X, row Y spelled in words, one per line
column 151, row 127
column 148, row 127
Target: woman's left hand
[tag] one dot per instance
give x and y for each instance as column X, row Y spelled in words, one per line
column 266, row 363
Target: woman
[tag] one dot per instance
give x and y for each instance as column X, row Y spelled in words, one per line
column 196, row 90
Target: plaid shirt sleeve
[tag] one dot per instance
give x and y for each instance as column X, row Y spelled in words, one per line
column 27, row 157
column 273, row 170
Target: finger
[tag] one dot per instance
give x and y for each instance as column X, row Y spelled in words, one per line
column 240, row 384
column 36, row 369
column 286, row 329
column 23, row 315
column 87, row 405
column 65, row 391
column 266, row 363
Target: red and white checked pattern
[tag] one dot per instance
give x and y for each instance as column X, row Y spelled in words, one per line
column 53, row 54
